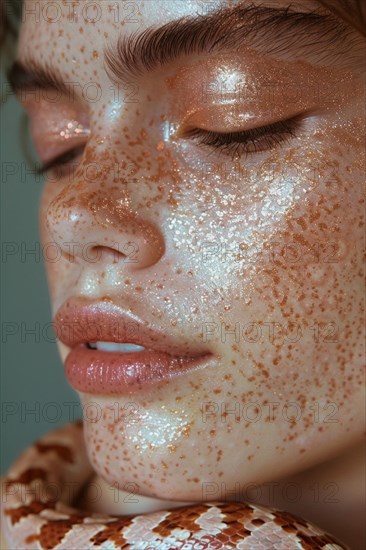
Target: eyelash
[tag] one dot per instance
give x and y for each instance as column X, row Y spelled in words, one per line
column 61, row 160
column 255, row 140
column 235, row 144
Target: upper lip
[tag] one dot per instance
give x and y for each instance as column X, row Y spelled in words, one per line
column 79, row 321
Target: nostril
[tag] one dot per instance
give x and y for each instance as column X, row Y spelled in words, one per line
column 95, row 253
column 93, row 227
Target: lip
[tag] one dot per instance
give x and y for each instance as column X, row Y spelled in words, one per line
column 79, row 321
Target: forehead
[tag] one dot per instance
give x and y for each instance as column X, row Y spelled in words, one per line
column 73, row 21
column 79, row 39
column 71, row 36
column 53, row 26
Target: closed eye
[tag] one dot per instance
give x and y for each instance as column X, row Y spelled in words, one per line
column 255, row 140
column 234, row 144
column 61, row 161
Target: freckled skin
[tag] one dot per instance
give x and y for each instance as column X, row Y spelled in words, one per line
column 269, row 246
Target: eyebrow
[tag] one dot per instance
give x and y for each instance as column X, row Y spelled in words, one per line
column 272, row 31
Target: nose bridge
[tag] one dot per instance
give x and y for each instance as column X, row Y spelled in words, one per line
column 98, row 215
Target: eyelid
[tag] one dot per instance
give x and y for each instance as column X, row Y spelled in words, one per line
column 214, row 119
column 254, row 140
column 205, row 118
column 64, row 158
column 57, row 127
column 278, row 126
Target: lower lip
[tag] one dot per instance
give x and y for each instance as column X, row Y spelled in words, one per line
column 117, row 373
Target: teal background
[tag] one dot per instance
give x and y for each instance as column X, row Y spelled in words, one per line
column 32, row 377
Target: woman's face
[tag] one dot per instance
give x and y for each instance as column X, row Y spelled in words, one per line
column 243, row 251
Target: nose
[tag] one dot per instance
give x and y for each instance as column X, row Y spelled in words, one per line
column 94, row 225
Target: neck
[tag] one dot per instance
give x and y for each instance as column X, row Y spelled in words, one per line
column 331, row 495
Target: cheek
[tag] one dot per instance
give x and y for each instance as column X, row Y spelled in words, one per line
column 280, row 262
column 286, row 241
